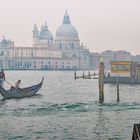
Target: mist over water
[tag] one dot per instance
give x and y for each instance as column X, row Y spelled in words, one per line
column 65, row 108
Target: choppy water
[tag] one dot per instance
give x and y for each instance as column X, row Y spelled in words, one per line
column 68, row 109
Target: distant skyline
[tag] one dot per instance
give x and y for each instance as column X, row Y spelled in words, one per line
column 101, row 24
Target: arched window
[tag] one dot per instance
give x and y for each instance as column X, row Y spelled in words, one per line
column 72, row 45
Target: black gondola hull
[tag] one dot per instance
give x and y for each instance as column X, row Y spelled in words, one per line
column 20, row 93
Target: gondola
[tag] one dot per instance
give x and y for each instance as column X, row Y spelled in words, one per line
column 20, row 93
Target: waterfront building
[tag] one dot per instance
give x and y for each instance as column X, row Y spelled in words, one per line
column 110, row 55
column 122, row 55
column 135, row 58
column 64, row 52
column 94, row 61
column 124, row 72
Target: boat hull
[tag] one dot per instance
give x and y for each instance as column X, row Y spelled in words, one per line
column 20, row 93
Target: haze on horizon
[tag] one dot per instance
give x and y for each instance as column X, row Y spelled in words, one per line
column 101, row 24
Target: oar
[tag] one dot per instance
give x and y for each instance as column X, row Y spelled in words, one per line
column 15, row 88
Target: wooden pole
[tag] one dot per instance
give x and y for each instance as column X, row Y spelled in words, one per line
column 118, row 96
column 94, row 73
column 101, row 81
column 74, row 73
column 89, row 73
column 83, row 74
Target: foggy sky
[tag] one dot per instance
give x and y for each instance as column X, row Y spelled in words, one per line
column 101, row 24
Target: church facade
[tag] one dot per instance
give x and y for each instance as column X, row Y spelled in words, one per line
column 64, row 52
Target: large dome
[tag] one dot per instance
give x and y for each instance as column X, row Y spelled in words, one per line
column 66, row 30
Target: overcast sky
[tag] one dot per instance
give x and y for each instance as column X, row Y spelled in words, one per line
column 101, row 24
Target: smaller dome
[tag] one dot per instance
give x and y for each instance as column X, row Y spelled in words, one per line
column 45, row 34
column 6, row 43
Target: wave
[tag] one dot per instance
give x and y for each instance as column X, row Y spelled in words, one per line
column 77, row 107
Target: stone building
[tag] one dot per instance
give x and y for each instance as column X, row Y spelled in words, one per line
column 63, row 53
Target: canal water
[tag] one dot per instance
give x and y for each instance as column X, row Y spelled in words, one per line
column 68, row 109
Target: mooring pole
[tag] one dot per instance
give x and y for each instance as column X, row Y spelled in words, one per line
column 101, row 81
column 74, row 73
column 83, row 74
column 89, row 73
column 94, row 73
column 117, row 82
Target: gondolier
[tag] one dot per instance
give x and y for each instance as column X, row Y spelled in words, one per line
column 2, row 77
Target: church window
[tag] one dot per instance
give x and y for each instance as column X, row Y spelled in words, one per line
column 27, row 64
column 20, row 63
column 49, row 64
column 30, row 64
column 72, row 46
column 16, row 64
column 34, row 66
column 24, row 63
column 2, row 53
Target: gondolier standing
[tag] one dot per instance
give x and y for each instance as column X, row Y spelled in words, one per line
column 2, row 77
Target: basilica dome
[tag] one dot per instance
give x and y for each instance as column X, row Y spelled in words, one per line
column 66, row 30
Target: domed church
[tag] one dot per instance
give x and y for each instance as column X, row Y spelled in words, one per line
column 66, row 40
column 63, row 52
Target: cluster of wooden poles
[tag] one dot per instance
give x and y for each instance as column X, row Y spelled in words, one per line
column 101, row 81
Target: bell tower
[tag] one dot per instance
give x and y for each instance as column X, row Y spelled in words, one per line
column 35, row 35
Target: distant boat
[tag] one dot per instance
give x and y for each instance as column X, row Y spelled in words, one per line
column 20, row 93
